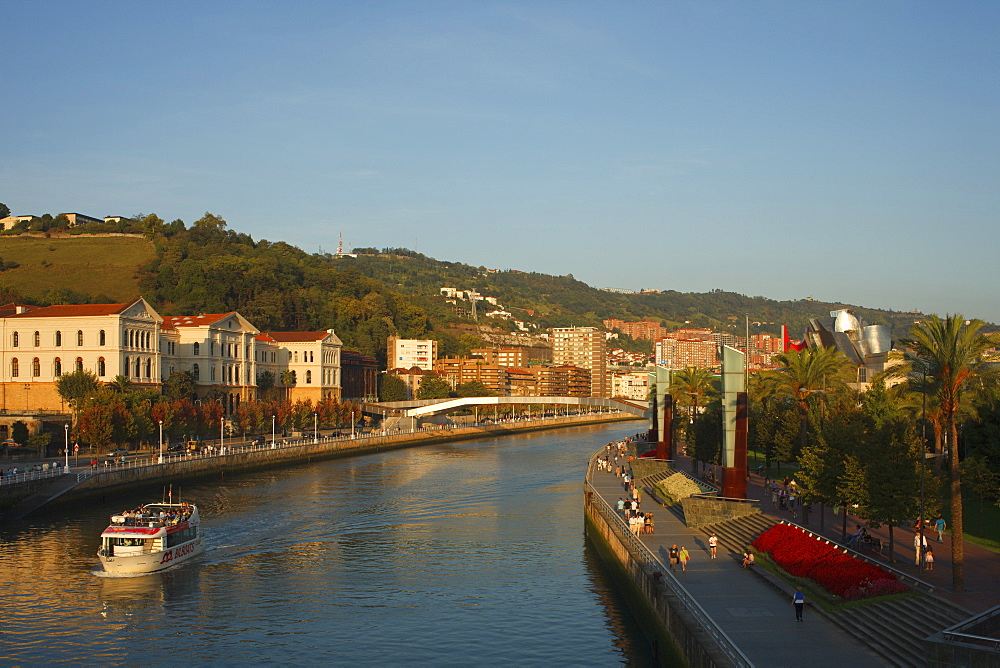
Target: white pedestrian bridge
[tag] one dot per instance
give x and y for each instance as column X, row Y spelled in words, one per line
column 426, row 407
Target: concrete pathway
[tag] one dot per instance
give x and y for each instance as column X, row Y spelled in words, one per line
column 758, row 619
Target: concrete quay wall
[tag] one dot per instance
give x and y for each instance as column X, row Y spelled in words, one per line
column 674, row 633
column 111, row 481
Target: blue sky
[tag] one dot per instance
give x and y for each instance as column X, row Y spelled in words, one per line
column 842, row 150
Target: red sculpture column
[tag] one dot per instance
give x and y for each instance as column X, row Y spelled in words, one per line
column 734, row 480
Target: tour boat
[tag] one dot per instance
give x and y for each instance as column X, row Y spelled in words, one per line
column 151, row 538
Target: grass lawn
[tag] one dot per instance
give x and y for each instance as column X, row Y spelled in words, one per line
column 981, row 520
column 92, row 265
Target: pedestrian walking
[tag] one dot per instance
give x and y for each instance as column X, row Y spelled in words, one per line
column 685, row 557
column 674, row 555
column 929, row 560
column 713, row 544
column 799, row 601
column 940, row 525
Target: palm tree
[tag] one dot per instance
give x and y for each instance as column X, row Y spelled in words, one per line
column 690, row 385
column 806, row 372
column 957, row 358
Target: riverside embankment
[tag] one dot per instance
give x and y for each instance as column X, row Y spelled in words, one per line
column 21, row 498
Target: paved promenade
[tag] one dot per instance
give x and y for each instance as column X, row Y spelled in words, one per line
column 759, row 619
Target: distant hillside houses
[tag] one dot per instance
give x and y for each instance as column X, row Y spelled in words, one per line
column 66, row 220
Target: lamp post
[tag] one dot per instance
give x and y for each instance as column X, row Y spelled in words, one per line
column 352, row 420
column 273, row 418
column 315, row 427
column 160, row 461
column 66, row 447
column 222, row 436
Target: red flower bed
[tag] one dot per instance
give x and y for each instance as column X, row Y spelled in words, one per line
column 803, row 555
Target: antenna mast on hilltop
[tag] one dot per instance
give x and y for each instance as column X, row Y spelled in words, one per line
column 340, row 245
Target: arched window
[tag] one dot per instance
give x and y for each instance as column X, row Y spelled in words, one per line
column 36, row 367
column 13, row 368
column 197, row 348
column 137, row 363
column 58, row 338
column 79, row 364
column 128, row 366
column 149, row 368
column 38, row 339
column 102, row 369
column 295, row 356
column 309, row 377
column 16, row 338
column 57, row 367
column 79, row 337
column 213, row 373
column 236, row 375
column 102, row 338
column 196, row 372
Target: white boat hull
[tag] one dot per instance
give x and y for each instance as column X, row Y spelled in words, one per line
column 152, row 562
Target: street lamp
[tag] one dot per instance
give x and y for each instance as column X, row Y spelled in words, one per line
column 66, row 448
column 315, row 427
column 273, row 418
column 222, row 436
column 160, row 461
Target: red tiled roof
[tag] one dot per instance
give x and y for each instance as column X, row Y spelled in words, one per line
column 73, row 310
column 175, row 321
column 264, row 337
column 297, row 337
column 7, row 310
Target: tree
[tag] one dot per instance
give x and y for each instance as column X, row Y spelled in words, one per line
column 807, row 372
column 179, row 385
column 76, row 386
column 39, row 442
column 690, row 387
column 433, row 386
column 120, row 384
column 19, row 432
column 473, row 388
column 4, row 210
column 392, row 388
column 882, row 477
column 958, row 357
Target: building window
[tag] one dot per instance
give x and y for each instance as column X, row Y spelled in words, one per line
column 15, row 339
column 101, row 368
column 79, row 364
column 57, row 367
column 38, row 339
column 236, row 375
column 137, row 362
column 197, row 349
column 149, row 369
column 79, row 337
column 196, row 372
column 128, row 366
column 309, row 377
column 213, row 373
column 13, row 368
column 36, row 367
column 58, row 339
column 211, row 347
column 102, row 338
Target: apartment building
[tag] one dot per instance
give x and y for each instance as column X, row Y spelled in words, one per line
column 582, row 347
column 459, row 370
column 409, row 353
column 682, row 353
column 645, row 329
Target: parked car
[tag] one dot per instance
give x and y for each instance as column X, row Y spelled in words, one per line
column 176, row 447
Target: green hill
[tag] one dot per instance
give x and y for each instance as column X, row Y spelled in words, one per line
column 209, row 268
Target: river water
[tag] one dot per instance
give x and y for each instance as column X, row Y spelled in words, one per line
column 462, row 553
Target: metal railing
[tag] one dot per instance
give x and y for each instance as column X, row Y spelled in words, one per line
column 643, row 554
column 27, row 476
column 239, row 447
column 956, row 633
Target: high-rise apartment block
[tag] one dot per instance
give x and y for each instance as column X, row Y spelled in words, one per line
column 409, row 353
column 583, row 347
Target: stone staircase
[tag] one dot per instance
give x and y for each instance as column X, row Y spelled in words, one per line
column 893, row 629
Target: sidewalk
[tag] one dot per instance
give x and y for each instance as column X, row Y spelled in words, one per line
column 760, row 620
column 982, row 566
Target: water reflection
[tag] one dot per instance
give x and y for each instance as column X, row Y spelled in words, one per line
column 470, row 553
